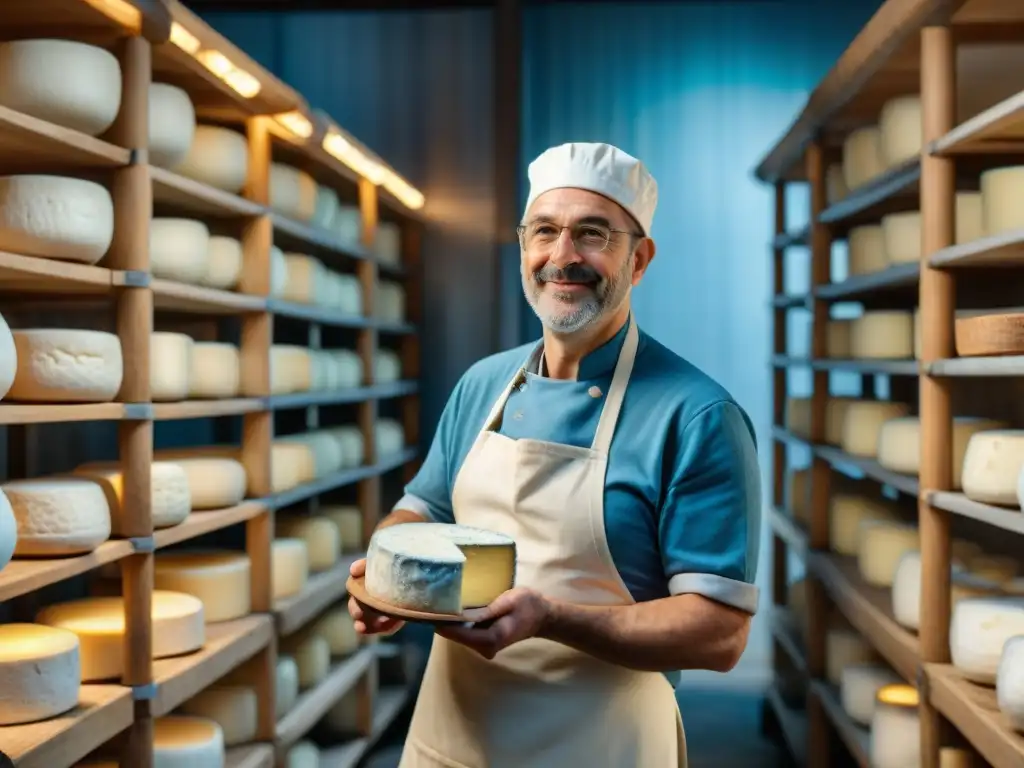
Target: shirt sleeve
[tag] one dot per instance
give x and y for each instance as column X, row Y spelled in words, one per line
column 429, row 493
column 709, row 525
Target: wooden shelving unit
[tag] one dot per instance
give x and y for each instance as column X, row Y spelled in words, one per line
column 938, row 51
column 160, row 41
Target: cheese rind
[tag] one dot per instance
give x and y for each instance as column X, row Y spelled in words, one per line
column 992, row 464
column 862, row 156
column 846, row 513
column 214, row 482
column 170, row 366
column 8, row 358
column 866, row 250
column 234, row 708
column 349, row 520
column 292, row 192
column 899, row 443
column 218, row 157
column 39, row 673
column 1010, row 683
column 312, row 654
column 170, row 502
column 977, row 632
column 223, row 263
column 286, row 685
column 1000, row 189
column 220, row 580
column 99, row 623
column 880, row 546
column 289, row 566
column 859, row 686
column 321, row 535
column 906, row 589
column 66, row 366
column 58, row 515
column 338, row 629
column 900, row 129
column 215, row 371
column 883, row 335
column 303, row 755
column 862, row 425
column 439, row 568
column 172, row 124
column 187, row 742
column 895, row 731
column 390, row 436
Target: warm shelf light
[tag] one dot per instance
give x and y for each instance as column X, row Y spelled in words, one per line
column 296, row 122
column 237, row 79
column 898, row 695
column 406, row 193
column 342, row 149
column 184, row 39
column 124, row 13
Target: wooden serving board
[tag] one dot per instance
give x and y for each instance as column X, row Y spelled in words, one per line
column 995, row 334
column 357, row 589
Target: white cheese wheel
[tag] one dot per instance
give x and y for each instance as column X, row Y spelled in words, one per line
column 350, row 439
column 234, row 708
column 223, row 263
column 390, row 302
column 313, row 656
column 350, row 296
column 179, row 249
column 178, row 629
column 866, row 250
column 170, row 366
column 859, row 686
column 862, row 424
column 326, row 207
column 1000, row 189
column 348, row 225
column 214, row 482
column 844, row 647
column 992, row 464
column 278, row 272
column 846, row 513
column 327, row 454
column 899, row 443
column 906, row 589
column 221, row 580
column 218, row 157
column 305, row 275
column 902, row 231
column 880, row 546
column 835, row 184
column 900, row 130
column 170, row 498
column 292, row 463
column 215, row 371
column 172, row 124
column 838, row 339
column 66, row 366
column 439, row 568
column 58, row 516
column 996, row 568
column 337, row 628
column 68, row 83
column 349, row 520
column 8, row 531
column 291, row 369
column 292, row 192
column 1009, row 683
column 39, row 672
column 387, row 244
column 978, row 631
column 970, row 217
column 390, row 438
column 55, row 217
column 387, row 367
column 187, row 742
column 882, row 334
column 895, row 728
column 350, row 368
column 286, row 685
column 303, row 755
column 321, row 535
column 289, row 566
column 862, row 156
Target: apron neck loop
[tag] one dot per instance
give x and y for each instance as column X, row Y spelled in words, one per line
column 617, row 390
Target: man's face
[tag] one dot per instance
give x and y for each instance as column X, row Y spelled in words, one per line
column 571, row 285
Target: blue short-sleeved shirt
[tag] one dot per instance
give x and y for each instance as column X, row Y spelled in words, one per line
column 682, row 500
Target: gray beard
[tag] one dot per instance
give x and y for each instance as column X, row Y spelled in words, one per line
column 606, row 297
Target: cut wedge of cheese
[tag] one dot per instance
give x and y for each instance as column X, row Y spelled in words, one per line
column 39, row 672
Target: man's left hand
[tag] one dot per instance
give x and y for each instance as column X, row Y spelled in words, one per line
column 515, row 615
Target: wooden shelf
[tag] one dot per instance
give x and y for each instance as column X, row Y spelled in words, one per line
column 1010, row 365
column 299, row 235
column 789, row 530
column 875, row 366
column 250, row 756
column 201, row 199
column 28, row 143
column 340, row 479
column 200, row 523
column 19, row 577
column 47, row 413
column 316, row 702
column 888, row 193
column 204, row 409
column 999, row 129
column 228, row 644
column 321, row 591
column 169, row 295
column 972, row 709
column 898, row 276
column 868, row 468
column 388, row 704
column 1003, row 250
column 999, row 517
column 867, row 608
column 856, row 738
column 31, row 274
column 102, row 713
column 343, row 396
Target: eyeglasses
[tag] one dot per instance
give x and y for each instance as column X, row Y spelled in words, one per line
column 588, row 239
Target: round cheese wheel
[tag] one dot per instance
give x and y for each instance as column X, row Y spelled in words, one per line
column 835, row 414
column 862, row 425
column 387, row 367
column 305, row 276
column 223, row 264
column 351, row 441
column 218, row 157
column 866, row 250
column 350, row 296
column 899, row 443
column 66, row 366
column 286, row 685
column 338, row 629
column 844, row 647
column 289, row 566
column 68, row 83
column 179, row 249
column 1009, row 682
column 58, row 516
column 292, row 463
column 303, row 755
column 278, row 271
column 996, row 568
column 214, row 482
column 348, row 224
column 187, row 742
column 390, row 302
column 291, row 369
column 215, row 371
column 906, row 589
column 883, row 334
column 313, row 656
column 327, row 454
column 838, row 339
column 955, row 758
column 349, row 520
column 900, row 130
column 859, row 686
column 387, row 244
column 835, row 184
column 170, row 498
column 390, row 437
column 326, row 207
column 895, row 728
column 846, row 513
column 321, row 535
column 221, row 580
column 798, row 416
column 39, row 672
column 172, row 124
column 880, row 546
column 350, row 368
column 170, row 366
column 178, row 629
column 55, row 217
column 234, row 708
column 1000, row 188
column 970, row 218
column 978, row 631
column 862, row 156
column 992, row 464
column 292, row 192
column 902, row 231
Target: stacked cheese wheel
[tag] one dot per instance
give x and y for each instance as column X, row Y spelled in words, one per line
column 387, row 245
column 184, row 250
column 390, row 302
column 993, row 467
column 308, row 281
column 286, row 683
column 299, row 369
column 48, row 365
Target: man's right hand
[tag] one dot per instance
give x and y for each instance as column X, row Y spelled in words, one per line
column 366, row 620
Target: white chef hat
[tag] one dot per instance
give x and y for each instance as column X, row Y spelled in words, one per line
column 599, row 168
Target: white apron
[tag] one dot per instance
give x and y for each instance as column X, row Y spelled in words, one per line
column 541, row 704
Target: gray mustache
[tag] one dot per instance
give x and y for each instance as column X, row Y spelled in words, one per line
column 574, row 273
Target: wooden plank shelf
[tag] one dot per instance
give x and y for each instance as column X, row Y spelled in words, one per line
column 250, row 756
column 783, row 435
column 873, row 366
column 789, row 530
column 1000, row 517
column 29, row 143
column 898, row 276
column 999, row 129
column 31, row 274
column 1002, row 250
column 340, row 479
column 50, row 413
column 888, row 193
column 201, row 523
column 19, row 577
column 205, row 409
column 867, row 608
column 389, row 703
column 867, row 468
column 172, row 296
column 783, row 301
column 784, row 632
column 856, row 738
column 186, row 194
column 1009, row 365
column 322, row 590
column 298, row 235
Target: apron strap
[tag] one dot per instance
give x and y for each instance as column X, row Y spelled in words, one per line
column 617, row 390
